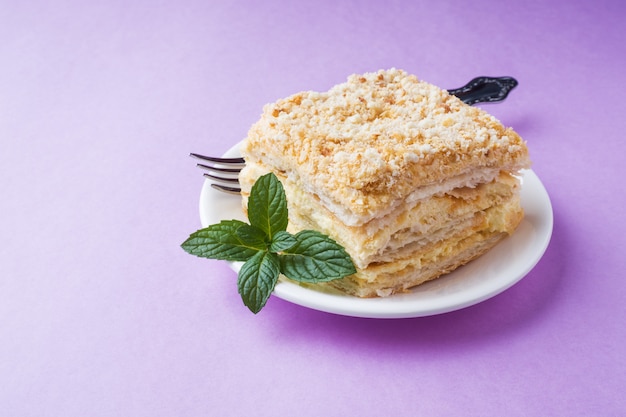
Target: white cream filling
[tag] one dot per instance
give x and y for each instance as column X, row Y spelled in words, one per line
column 470, row 179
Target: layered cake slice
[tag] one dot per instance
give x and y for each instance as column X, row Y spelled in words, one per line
column 410, row 180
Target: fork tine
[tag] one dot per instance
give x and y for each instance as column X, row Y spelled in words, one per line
column 213, row 177
column 229, row 190
column 226, row 161
column 219, row 169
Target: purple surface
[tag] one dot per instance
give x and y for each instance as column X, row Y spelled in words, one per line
column 101, row 312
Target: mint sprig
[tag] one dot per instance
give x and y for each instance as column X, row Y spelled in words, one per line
column 267, row 249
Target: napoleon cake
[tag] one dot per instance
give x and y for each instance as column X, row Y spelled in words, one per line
column 410, row 180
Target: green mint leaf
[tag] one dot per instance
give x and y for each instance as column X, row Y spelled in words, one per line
column 267, row 205
column 220, row 241
column 282, row 241
column 267, row 249
column 257, row 278
column 315, row 258
column 253, row 236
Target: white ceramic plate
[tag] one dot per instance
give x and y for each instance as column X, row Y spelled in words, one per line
column 477, row 281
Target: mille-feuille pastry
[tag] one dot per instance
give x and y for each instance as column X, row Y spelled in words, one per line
column 410, row 180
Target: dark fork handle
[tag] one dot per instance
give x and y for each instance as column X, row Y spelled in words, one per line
column 485, row 89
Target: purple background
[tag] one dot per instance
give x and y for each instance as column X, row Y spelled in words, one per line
column 102, row 313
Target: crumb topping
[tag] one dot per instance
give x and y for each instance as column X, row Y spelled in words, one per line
column 377, row 137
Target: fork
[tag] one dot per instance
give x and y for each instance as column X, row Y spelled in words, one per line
column 478, row 90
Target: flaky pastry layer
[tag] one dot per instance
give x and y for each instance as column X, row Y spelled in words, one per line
column 411, row 224
column 436, row 259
